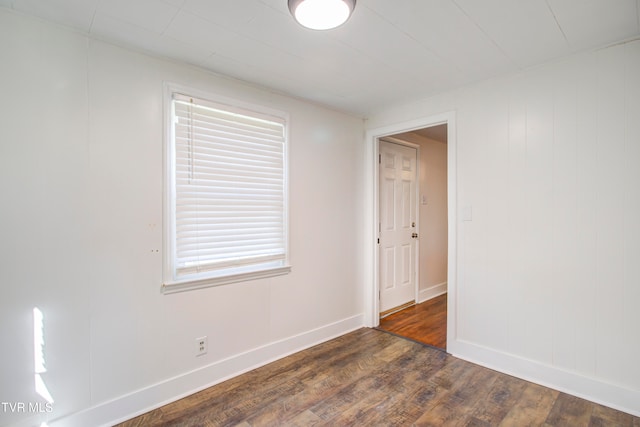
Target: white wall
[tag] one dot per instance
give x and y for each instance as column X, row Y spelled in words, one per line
column 548, row 282
column 81, row 184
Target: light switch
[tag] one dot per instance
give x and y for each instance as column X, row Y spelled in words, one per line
column 423, row 199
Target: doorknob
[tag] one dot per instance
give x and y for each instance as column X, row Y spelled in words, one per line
column 414, row 235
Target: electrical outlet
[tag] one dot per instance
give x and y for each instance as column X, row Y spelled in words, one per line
column 201, row 346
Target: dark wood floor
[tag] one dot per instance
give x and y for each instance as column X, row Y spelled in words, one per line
column 425, row 322
column 373, row 378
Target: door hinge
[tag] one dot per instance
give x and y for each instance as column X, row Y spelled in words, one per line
column 379, row 158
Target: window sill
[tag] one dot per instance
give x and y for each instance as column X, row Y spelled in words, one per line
column 189, row 285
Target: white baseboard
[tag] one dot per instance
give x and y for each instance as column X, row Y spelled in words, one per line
column 592, row 389
column 156, row 395
column 432, row 292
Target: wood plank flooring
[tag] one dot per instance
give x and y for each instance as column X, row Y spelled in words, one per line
column 425, row 322
column 373, row 378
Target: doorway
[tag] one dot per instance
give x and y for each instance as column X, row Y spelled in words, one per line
column 441, row 293
column 413, row 197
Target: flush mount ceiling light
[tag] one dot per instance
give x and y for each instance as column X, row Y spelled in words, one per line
column 321, row 14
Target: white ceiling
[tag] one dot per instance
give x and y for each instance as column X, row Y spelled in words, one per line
column 390, row 51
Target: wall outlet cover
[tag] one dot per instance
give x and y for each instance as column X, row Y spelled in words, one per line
column 201, row 346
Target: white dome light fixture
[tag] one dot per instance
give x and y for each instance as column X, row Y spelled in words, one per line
column 321, row 14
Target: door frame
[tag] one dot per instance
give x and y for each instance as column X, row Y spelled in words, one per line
column 416, row 269
column 371, row 261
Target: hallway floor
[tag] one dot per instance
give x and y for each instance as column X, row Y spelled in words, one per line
column 425, row 322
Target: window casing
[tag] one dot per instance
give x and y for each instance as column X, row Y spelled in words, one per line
column 226, row 192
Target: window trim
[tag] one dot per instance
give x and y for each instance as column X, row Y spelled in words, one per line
column 170, row 283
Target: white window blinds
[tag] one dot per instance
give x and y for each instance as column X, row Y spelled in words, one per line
column 229, row 198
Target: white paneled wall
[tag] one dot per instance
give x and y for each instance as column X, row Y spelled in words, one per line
column 81, row 184
column 548, row 279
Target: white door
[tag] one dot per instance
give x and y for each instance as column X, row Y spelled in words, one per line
column 398, row 238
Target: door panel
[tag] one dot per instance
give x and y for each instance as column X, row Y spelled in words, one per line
column 407, row 265
column 388, row 262
column 398, row 177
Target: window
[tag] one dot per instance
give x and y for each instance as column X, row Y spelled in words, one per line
column 226, row 198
